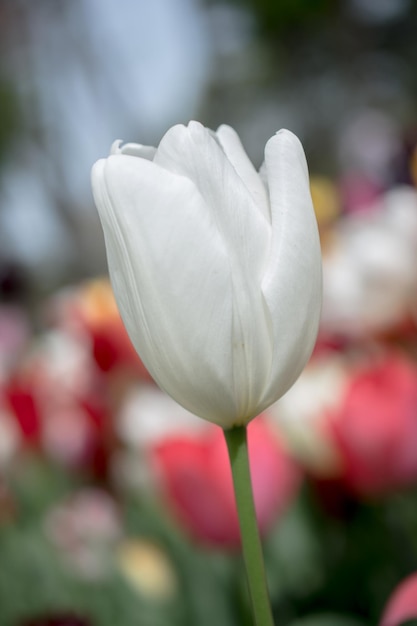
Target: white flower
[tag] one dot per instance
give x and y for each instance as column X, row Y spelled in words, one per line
column 370, row 278
column 216, row 268
column 302, row 415
column 148, row 416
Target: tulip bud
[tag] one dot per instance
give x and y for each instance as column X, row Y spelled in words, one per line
column 216, row 268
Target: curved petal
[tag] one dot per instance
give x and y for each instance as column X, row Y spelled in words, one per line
column 292, row 284
column 195, row 153
column 171, row 277
column 133, row 149
column 233, row 149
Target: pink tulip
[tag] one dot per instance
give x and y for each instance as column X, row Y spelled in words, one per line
column 359, row 193
column 375, row 426
column 402, row 605
column 196, row 479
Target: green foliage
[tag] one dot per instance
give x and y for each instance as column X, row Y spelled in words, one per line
column 35, row 580
column 325, row 567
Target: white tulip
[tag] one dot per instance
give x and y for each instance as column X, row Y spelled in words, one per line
column 216, row 268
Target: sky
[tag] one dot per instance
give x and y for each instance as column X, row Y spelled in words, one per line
column 97, row 74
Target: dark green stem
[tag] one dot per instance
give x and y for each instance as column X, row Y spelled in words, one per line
column 237, row 445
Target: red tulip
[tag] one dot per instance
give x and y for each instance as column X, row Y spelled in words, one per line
column 19, row 396
column 91, row 309
column 56, row 399
column 196, row 478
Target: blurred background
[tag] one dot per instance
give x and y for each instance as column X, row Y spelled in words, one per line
column 116, row 504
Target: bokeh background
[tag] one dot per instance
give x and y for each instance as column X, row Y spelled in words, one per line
column 115, row 504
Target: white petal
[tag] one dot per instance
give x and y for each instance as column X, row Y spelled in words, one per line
column 292, row 282
column 171, row 276
column 133, row 149
column 232, row 146
column 195, row 153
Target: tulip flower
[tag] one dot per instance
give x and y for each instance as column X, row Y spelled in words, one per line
column 375, row 427
column 216, row 268
column 369, row 270
column 352, row 423
column 402, row 605
column 85, row 528
column 90, row 310
column 52, row 394
column 194, row 474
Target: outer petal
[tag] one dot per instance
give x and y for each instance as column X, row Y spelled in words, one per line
column 292, row 284
column 194, row 152
column 171, row 277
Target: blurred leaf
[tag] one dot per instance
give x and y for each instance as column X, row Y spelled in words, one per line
column 292, row 556
column 35, row 581
column 37, row 485
column 206, row 576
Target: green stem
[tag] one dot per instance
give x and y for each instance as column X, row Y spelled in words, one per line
column 237, row 445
